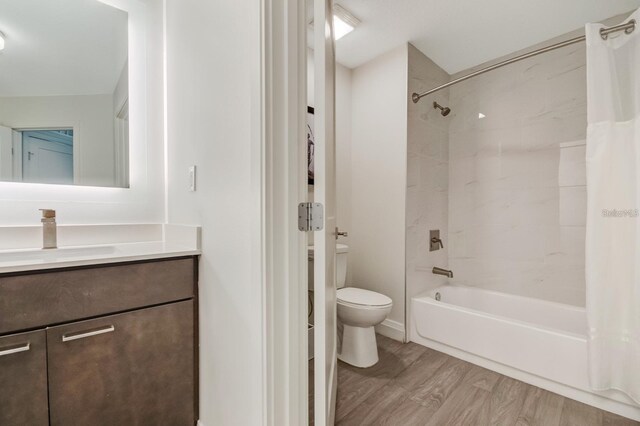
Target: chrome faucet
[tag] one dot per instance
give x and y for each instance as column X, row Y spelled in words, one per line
column 49, row 232
column 440, row 271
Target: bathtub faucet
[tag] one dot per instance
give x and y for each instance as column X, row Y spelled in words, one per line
column 440, row 271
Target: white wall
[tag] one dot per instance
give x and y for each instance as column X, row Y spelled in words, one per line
column 144, row 201
column 378, row 177
column 213, row 65
column 427, row 176
column 91, row 117
column 343, row 153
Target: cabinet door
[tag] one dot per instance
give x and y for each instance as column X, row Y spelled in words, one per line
column 23, row 379
column 135, row 368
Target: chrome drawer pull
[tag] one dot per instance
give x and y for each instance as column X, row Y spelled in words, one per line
column 15, row 349
column 82, row 335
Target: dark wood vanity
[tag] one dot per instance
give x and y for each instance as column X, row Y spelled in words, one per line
column 111, row 344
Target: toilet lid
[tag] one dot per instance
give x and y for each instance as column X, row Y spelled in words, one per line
column 362, row 297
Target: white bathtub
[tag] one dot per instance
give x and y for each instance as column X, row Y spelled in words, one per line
column 539, row 342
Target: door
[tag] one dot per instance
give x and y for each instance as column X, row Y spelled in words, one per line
column 47, row 157
column 23, row 379
column 135, row 368
column 325, row 363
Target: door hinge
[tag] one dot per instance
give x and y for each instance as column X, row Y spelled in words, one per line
column 310, row 217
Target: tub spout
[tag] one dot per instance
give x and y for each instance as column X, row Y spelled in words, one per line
column 440, row 271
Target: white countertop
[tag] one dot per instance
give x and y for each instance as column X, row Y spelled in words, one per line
column 82, row 245
column 64, row 257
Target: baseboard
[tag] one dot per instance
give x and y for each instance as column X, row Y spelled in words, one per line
column 391, row 329
column 585, row 397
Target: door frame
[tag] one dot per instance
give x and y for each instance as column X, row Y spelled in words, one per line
column 284, row 184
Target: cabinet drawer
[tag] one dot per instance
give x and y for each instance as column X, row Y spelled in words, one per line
column 51, row 297
column 23, row 380
column 135, row 368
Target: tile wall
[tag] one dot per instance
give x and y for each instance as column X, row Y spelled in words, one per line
column 517, row 194
column 427, row 176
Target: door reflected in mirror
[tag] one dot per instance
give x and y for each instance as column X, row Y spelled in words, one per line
column 64, row 95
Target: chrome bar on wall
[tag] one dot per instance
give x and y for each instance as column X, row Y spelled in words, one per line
column 627, row 27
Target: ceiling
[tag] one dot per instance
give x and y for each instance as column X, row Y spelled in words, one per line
column 458, row 34
column 61, row 47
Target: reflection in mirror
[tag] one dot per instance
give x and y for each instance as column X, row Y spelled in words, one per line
column 64, row 97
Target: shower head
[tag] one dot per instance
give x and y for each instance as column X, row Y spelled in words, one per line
column 443, row 110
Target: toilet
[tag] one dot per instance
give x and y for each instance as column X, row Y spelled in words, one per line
column 359, row 311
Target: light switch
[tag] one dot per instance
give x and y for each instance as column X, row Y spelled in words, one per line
column 192, row 179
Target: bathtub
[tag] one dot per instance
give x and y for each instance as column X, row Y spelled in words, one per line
column 539, row 342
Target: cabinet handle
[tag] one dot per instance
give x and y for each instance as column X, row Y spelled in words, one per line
column 15, row 349
column 81, row 335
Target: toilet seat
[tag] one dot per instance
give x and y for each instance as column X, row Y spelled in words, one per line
column 363, row 299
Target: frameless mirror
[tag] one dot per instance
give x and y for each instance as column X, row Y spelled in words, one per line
column 64, row 97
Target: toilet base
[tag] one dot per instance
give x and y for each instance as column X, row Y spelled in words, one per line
column 359, row 347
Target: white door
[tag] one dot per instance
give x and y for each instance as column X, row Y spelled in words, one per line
column 47, row 158
column 325, row 363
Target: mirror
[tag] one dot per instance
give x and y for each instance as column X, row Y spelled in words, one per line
column 64, row 96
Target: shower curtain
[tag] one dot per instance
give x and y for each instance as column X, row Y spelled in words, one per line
column 613, row 206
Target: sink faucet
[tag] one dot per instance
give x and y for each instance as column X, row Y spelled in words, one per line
column 440, row 271
column 49, row 233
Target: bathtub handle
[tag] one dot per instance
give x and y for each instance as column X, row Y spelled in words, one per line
column 435, row 240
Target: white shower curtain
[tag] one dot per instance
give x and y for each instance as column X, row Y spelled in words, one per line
column 613, row 206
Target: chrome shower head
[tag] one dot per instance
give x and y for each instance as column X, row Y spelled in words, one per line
column 443, row 110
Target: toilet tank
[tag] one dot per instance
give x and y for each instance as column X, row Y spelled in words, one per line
column 341, row 265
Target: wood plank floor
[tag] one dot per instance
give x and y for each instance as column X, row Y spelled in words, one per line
column 414, row 385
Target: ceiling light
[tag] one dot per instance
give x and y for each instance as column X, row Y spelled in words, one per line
column 343, row 22
column 481, row 115
column 1, row 41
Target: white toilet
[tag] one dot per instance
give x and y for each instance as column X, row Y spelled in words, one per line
column 359, row 311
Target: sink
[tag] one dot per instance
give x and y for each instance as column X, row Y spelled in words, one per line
column 52, row 254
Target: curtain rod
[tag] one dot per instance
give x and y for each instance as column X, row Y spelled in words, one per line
column 627, row 27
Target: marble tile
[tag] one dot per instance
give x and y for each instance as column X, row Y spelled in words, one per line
column 461, row 212
column 564, row 246
column 572, row 168
column 565, row 90
column 529, row 169
column 413, row 171
column 517, row 198
column 551, row 132
column 427, row 177
column 573, row 205
column 434, row 175
column 538, row 205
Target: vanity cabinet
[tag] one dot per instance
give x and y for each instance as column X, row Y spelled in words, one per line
column 129, row 369
column 23, row 379
column 30, row 300
column 113, row 362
